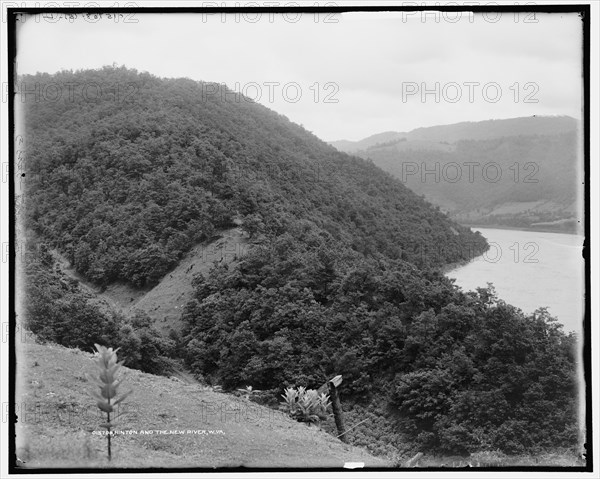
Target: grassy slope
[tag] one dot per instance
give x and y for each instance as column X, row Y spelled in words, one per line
column 165, row 301
column 58, row 416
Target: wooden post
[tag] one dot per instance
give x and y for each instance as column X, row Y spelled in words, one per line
column 336, row 405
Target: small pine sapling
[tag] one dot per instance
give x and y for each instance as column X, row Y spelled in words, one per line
column 107, row 398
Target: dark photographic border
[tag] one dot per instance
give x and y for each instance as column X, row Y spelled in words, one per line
column 584, row 13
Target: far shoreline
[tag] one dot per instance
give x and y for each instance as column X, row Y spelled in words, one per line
column 522, row 228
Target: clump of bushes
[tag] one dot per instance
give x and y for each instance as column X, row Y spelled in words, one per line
column 60, row 311
column 305, row 405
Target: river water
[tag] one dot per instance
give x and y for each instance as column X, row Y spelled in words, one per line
column 530, row 269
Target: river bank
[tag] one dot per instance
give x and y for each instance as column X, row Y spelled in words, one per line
column 539, row 229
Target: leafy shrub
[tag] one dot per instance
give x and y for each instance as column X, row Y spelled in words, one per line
column 305, row 405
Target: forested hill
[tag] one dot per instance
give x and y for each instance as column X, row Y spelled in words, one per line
column 126, row 171
column 468, row 130
column 520, row 172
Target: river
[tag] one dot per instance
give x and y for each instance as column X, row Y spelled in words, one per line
column 530, row 269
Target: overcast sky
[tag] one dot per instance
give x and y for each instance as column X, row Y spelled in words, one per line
column 345, row 76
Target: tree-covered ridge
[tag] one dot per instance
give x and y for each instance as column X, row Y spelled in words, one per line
column 514, row 180
column 468, row 131
column 447, row 371
column 125, row 184
column 522, row 168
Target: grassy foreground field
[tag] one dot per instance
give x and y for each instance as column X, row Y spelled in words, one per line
column 175, row 422
column 164, row 423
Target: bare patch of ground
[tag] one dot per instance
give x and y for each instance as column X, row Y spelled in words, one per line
column 165, row 301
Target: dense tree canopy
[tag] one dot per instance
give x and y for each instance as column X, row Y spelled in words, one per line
column 452, row 371
column 125, row 186
column 58, row 310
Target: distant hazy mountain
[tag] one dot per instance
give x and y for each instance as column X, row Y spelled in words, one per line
column 467, row 130
column 522, row 172
column 348, row 146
